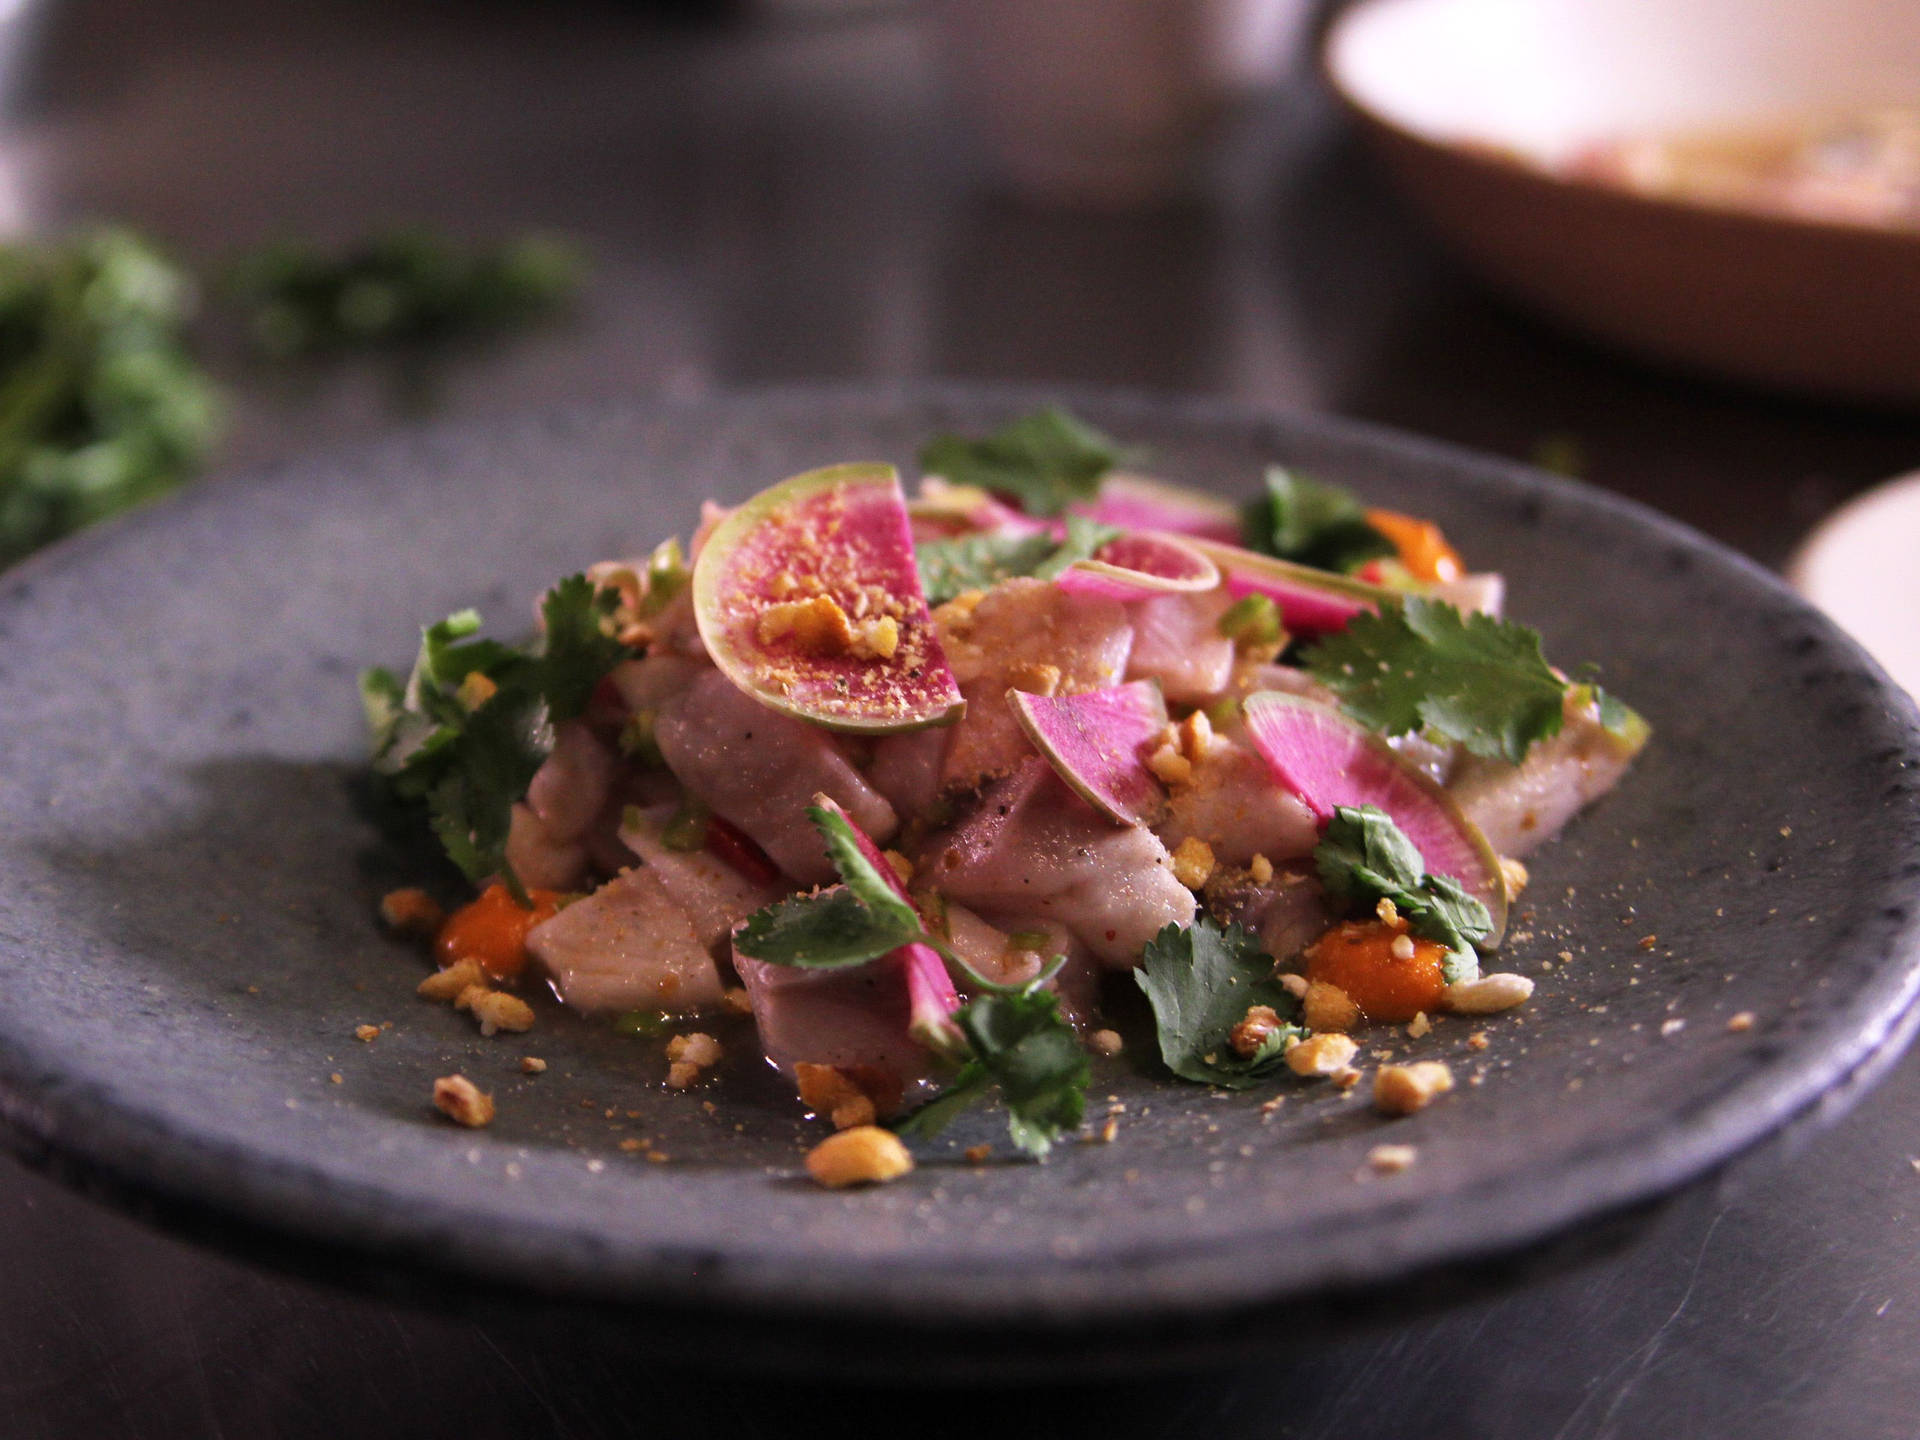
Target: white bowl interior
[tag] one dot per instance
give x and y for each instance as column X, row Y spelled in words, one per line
column 1547, row 77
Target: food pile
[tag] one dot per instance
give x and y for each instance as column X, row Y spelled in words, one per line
column 912, row 780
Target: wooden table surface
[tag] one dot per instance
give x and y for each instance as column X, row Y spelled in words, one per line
column 785, row 197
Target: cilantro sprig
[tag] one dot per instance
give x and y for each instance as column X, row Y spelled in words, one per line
column 1201, row 980
column 979, row 562
column 1311, row 523
column 463, row 736
column 1013, row 1036
column 1423, row 665
column 1364, row 858
column 1044, row 461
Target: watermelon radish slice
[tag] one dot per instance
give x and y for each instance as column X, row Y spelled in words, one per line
column 1329, row 760
column 931, row 998
column 943, row 509
column 1312, row 602
column 1133, row 502
column 808, row 599
column 1094, row 740
column 1138, row 565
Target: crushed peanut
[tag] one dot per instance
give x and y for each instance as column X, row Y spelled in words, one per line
column 412, row 912
column 864, row 1155
column 1034, row 678
column 1193, row 862
column 1403, row 1089
column 878, row 639
column 475, row 690
column 1110, row 1131
column 1387, row 911
column 1392, row 1159
column 1105, row 1042
column 1256, row 1027
column 1401, row 948
column 1489, row 994
column 452, row 982
column 817, row 626
column 496, row 1010
column 831, row 1092
column 736, row 999
column 1171, row 766
column 366, row 1033
column 1260, row 869
column 1294, row 985
column 1345, row 1078
column 462, row 1102
column 532, row 1065
column 978, row 1154
column 1419, row 1025
column 1321, row 1054
column 696, row 1047
column 902, row 866
column 1195, row 736
column 1328, row 1007
column 1742, row 1021
column 1515, row 875
column 681, row 1075
column 1478, row 1040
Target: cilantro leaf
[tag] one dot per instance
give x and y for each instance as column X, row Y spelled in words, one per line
column 1423, row 665
column 1312, row 524
column 1363, row 858
column 828, row 930
column 462, row 738
column 1022, row 1046
column 979, row 562
column 1201, row 982
column 1043, row 461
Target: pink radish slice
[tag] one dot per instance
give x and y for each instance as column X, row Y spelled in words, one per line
column 1329, row 760
column 1143, row 563
column 808, row 598
column 931, row 997
column 1133, row 502
column 1094, row 740
column 1312, row 602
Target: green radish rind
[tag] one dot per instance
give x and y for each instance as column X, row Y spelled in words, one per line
column 1401, row 790
column 846, row 527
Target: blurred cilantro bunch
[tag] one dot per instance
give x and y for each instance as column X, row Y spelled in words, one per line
column 101, row 404
column 102, row 401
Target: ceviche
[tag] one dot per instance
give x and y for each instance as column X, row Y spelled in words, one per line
column 915, row 781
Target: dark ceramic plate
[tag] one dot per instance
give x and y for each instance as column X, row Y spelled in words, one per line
column 187, row 935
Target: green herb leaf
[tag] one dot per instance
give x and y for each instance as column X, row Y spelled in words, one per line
column 979, row 562
column 1201, row 981
column 862, row 877
column 1364, row 858
column 1044, row 461
column 462, row 738
column 1312, row 524
column 1423, row 665
column 1022, row 1046
column 828, row 930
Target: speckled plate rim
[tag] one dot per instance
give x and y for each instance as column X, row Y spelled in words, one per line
column 79, row 1128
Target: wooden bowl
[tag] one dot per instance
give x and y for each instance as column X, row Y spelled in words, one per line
column 1479, row 107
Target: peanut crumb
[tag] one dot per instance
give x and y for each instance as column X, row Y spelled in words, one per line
column 1260, row 869
column 1321, row 1054
column 633, row 1145
column 1345, row 1078
column 532, row 1065
column 1272, row 1107
column 1403, row 1089
column 1294, row 985
column 1673, row 1026
column 1647, row 942
column 1254, row 1030
column 1387, row 911
column 1515, row 875
column 681, row 1075
column 1478, row 1040
column 450, row 983
column 864, row 1155
column 736, row 999
column 366, row 1034
column 902, row 866
column 1193, row 862
column 1034, row 678
column 817, row 626
column 1171, row 766
column 696, row 1047
column 1489, row 994
column 411, row 912
column 1105, row 1042
column 1742, row 1021
column 879, row 639
column 1328, row 1008
column 1392, row 1159
column 336, row 1078
column 1401, row 948
column 1419, row 1026
column 1196, row 736
column 658, row 1157
column 1566, row 957
column 496, row 1011
column 834, row 1095
column 462, row 1102
column 978, row 1154
column 1109, row 1131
